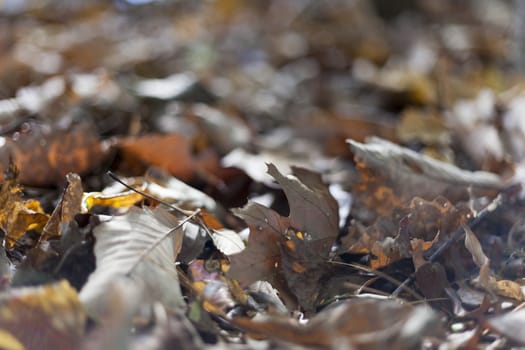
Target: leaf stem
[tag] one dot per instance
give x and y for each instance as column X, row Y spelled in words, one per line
column 160, row 239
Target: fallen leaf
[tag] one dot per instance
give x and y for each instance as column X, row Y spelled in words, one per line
column 485, row 278
column 44, row 155
column 122, row 200
column 163, row 186
column 227, row 241
column 392, row 249
column 67, row 208
column 17, row 216
column 261, row 258
column 49, row 316
column 509, row 289
column 431, row 279
column 358, row 324
column 510, row 325
column 140, row 246
column 293, row 249
column 427, row 222
column 172, row 152
column 313, row 210
column 304, row 267
column 390, row 176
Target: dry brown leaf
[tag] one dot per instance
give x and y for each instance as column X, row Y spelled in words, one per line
column 44, row 155
column 358, row 324
column 509, row 289
column 426, row 223
column 66, row 210
column 172, row 152
column 261, row 258
column 296, row 247
column 390, row 176
column 485, row 280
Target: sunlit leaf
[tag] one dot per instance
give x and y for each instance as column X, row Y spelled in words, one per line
column 17, row 216
column 118, row 201
column 227, row 241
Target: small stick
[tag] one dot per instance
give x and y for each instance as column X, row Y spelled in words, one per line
column 172, row 206
column 190, row 215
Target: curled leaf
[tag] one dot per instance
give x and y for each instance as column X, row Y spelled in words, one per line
column 18, row 216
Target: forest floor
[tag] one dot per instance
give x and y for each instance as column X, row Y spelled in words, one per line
column 262, row 175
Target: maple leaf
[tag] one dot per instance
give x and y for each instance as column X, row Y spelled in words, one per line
column 313, row 210
column 260, row 260
column 289, row 252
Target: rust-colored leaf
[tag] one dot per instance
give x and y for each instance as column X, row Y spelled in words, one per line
column 172, row 152
column 44, row 155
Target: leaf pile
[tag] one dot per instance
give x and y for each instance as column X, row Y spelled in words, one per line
column 278, row 174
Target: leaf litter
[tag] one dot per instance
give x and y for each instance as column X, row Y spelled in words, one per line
column 282, row 175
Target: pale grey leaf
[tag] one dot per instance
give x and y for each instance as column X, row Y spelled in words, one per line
column 140, row 247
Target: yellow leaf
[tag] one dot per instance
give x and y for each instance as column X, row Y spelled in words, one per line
column 509, row 289
column 17, row 216
column 117, row 201
column 9, row 342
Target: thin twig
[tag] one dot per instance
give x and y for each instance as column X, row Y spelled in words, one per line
column 191, row 215
column 150, row 197
column 381, row 275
